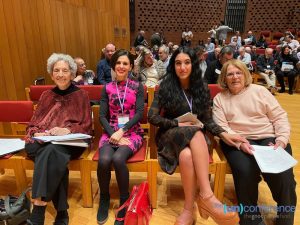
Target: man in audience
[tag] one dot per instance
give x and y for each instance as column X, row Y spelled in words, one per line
column 210, row 47
column 266, row 67
column 213, row 56
column 201, row 54
column 163, row 54
column 214, row 69
column 245, row 57
column 104, row 75
column 252, row 52
column 238, row 39
column 251, row 39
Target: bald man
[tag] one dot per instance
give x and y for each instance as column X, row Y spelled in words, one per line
column 265, row 68
column 103, row 67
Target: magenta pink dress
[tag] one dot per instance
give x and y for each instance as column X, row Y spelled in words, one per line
column 133, row 97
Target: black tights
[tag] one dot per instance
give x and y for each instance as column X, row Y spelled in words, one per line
column 117, row 157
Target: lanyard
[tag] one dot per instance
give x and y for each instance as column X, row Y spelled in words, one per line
column 190, row 103
column 122, row 103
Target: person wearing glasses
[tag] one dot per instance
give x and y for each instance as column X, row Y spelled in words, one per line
column 251, row 111
column 83, row 76
column 63, row 110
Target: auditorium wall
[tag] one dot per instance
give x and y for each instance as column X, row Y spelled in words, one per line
column 30, row 30
column 172, row 16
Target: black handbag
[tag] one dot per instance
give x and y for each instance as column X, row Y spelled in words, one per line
column 15, row 210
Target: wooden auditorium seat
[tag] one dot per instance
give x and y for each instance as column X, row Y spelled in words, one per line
column 17, row 114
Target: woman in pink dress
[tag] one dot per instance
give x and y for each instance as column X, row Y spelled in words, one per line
column 121, row 109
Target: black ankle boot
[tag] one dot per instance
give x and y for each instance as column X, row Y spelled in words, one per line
column 122, row 213
column 102, row 214
column 37, row 216
column 62, row 218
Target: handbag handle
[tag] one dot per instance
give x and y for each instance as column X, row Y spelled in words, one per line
column 13, row 209
column 126, row 204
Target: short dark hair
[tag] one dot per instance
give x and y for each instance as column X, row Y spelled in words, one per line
column 119, row 53
column 226, row 50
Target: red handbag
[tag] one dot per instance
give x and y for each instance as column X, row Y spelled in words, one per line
column 139, row 209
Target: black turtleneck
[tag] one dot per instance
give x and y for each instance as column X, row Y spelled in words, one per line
column 69, row 90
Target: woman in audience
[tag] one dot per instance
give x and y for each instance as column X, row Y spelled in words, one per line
column 147, row 69
column 83, row 76
column 181, row 91
column 121, row 109
column 252, row 111
column 63, row 110
column 287, row 66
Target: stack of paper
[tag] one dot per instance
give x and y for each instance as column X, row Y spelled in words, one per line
column 189, row 117
column 69, row 139
column 270, row 160
column 10, row 145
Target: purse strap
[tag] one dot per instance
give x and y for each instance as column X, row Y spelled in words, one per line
column 13, row 209
column 126, row 204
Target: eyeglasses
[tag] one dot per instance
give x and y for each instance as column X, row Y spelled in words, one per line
column 81, row 65
column 237, row 74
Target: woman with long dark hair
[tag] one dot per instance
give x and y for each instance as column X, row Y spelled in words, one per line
column 181, row 91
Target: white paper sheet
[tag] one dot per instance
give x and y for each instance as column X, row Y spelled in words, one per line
column 79, row 143
column 273, row 161
column 10, row 145
column 67, row 137
column 189, row 117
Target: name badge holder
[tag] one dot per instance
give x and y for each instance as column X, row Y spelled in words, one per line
column 122, row 118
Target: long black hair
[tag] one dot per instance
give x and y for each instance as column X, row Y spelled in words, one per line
column 170, row 92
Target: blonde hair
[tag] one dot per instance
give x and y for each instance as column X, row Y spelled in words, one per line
column 238, row 64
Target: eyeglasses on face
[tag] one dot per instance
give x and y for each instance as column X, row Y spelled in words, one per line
column 237, row 74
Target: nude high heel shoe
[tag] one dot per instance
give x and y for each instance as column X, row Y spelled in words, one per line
column 187, row 217
column 209, row 208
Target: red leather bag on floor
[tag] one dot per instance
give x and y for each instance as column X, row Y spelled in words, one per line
column 139, row 209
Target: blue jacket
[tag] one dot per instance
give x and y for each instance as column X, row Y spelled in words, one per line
column 103, row 72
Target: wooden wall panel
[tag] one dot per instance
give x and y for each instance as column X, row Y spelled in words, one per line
column 31, row 30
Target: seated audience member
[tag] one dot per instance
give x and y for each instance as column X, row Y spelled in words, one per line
column 163, row 54
column 234, row 44
column 238, row 39
column 222, row 31
column 121, row 109
column 62, row 110
column 212, row 56
column 104, row 75
column 170, row 46
column 262, row 43
column 155, row 50
column 200, row 52
column 140, row 39
column 245, row 58
column 276, row 53
column 294, row 44
column 252, row 52
column 183, row 143
column 186, row 37
column 156, row 39
column 266, row 69
column 148, row 70
column 214, row 69
column 251, row 111
column 287, row 66
column 209, row 46
column 251, row 39
column 83, row 76
column 175, row 48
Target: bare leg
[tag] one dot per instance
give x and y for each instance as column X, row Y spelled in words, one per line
column 200, row 157
column 188, row 178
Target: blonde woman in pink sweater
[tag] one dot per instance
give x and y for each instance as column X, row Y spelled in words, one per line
column 253, row 112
